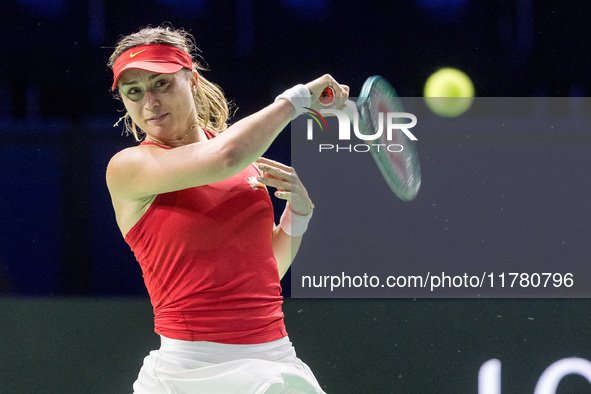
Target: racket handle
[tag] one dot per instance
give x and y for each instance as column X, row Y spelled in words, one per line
column 350, row 107
column 326, row 96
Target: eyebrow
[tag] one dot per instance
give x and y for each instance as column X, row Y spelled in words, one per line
column 150, row 78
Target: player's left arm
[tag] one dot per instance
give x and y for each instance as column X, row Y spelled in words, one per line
column 290, row 188
column 285, row 248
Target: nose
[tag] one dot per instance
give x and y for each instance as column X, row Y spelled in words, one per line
column 152, row 99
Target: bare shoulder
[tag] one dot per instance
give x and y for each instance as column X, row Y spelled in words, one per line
column 126, row 164
column 121, row 171
column 143, row 171
column 131, row 156
column 118, row 165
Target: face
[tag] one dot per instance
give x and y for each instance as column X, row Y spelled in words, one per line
column 160, row 104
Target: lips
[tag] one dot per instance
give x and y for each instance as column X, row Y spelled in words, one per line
column 157, row 118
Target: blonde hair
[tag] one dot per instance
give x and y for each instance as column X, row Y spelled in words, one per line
column 213, row 110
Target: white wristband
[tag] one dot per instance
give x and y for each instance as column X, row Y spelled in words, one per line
column 292, row 223
column 299, row 96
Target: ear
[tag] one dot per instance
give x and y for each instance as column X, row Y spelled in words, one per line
column 194, row 80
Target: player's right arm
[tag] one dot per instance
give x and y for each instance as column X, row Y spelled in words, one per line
column 142, row 171
column 139, row 172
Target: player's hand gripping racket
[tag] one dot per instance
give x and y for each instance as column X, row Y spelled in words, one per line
column 401, row 169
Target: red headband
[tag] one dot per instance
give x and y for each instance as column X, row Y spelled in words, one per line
column 157, row 58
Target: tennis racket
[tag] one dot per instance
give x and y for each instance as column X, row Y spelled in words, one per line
column 401, row 169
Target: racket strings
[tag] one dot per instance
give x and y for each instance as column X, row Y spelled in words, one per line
column 399, row 167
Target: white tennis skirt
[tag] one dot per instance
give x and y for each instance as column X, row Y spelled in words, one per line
column 185, row 367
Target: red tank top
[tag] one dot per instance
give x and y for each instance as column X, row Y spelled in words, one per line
column 208, row 264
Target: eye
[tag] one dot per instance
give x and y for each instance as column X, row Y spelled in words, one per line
column 161, row 83
column 133, row 93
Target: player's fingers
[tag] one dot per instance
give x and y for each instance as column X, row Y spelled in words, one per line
column 288, row 184
column 269, row 176
column 277, row 183
column 319, row 85
column 269, row 162
column 288, row 173
column 337, row 95
column 275, row 172
column 283, row 195
column 341, row 97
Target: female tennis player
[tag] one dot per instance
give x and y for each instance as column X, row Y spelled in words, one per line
column 191, row 201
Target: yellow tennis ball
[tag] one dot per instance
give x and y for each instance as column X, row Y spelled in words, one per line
column 449, row 92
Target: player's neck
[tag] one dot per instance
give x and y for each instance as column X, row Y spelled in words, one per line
column 192, row 135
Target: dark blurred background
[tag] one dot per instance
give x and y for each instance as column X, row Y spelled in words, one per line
column 70, row 278
column 57, row 113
